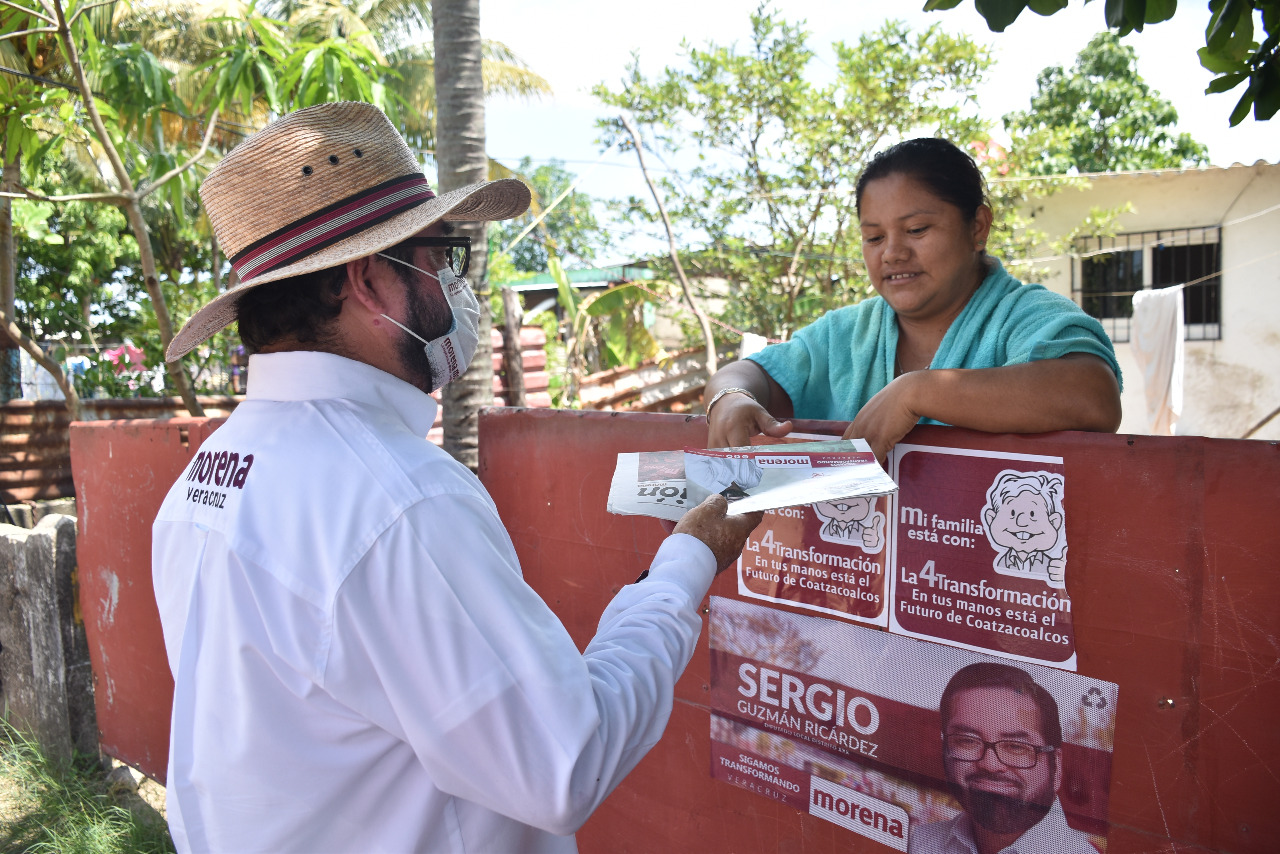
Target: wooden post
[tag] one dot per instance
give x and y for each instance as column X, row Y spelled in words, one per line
column 512, row 353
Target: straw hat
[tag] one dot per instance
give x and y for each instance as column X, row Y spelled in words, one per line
column 318, row 188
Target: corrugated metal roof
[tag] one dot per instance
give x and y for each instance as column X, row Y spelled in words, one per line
column 594, row 275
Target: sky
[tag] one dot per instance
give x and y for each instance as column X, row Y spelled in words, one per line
column 576, row 44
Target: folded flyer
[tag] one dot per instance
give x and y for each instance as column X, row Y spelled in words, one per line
column 666, row 484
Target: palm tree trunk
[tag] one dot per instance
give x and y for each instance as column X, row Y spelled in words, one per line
column 461, row 160
column 10, row 380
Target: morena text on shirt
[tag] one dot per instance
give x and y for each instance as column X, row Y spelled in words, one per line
column 221, row 468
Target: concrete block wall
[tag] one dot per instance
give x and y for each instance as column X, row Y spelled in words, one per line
column 46, row 682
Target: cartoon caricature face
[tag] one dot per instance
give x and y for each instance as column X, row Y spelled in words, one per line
column 1024, row 523
column 846, row 509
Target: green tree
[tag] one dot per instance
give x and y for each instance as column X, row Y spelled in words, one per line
column 766, row 159
column 1230, row 48
column 79, row 288
column 1100, row 116
column 136, row 122
column 570, row 230
column 397, row 32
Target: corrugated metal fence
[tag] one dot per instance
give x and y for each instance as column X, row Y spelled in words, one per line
column 35, row 449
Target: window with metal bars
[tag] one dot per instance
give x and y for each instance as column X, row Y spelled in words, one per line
column 1108, row 271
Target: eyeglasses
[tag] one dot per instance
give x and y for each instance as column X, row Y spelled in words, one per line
column 1015, row 754
column 451, row 252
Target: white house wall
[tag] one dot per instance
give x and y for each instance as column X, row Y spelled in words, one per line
column 1232, row 384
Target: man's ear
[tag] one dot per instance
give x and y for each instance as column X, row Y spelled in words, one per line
column 367, row 283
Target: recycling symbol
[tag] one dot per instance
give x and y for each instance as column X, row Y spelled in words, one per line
column 1093, row 699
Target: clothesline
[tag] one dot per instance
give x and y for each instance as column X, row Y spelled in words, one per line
column 1204, row 278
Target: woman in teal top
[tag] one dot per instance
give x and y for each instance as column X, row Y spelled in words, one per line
column 951, row 337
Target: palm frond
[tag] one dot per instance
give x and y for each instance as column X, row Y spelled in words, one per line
column 507, row 74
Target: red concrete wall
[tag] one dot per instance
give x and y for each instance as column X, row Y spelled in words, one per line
column 1175, row 590
column 1175, row 587
column 122, row 471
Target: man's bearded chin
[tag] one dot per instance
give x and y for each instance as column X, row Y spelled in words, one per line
column 430, row 322
column 999, row 813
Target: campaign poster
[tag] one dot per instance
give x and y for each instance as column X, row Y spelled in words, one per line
column 920, row 747
column 979, row 553
column 828, row 556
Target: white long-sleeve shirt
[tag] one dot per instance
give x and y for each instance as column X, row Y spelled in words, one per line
column 358, row 663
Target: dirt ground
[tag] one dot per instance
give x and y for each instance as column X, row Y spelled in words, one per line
column 10, row 800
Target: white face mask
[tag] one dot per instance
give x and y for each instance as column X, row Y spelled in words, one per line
column 451, row 353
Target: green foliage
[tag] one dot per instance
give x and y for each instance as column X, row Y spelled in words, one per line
column 69, row 808
column 31, row 222
column 775, row 155
column 624, row 336
column 337, row 69
column 606, row 329
column 103, row 379
column 1231, row 50
column 26, row 112
column 159, row 70
column 569, row 230
column 1100, row 116
column 243, row 69
column 82, row 287
column 135, row 83
column 398, row 32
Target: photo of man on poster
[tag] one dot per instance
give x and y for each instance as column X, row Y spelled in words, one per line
column 1002, row 754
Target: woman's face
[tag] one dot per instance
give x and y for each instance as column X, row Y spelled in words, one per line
column 921, row 254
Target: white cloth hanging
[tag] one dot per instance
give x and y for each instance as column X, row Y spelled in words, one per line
column 752, row 343
column 1157, row 341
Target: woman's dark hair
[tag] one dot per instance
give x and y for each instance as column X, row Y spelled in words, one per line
column 298, row 309
column 944, row 169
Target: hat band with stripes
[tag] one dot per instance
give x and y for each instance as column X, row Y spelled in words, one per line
column 327, row 226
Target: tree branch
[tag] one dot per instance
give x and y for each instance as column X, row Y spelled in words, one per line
column 41, row 359
column 178, row 170
column 114, row 198
column 132, row 210
column 49, row 19
column 701, row 315
column 53, row 30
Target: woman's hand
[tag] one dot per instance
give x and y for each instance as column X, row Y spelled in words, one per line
column 736, row 418
column 1075, row 392
column 887, row 417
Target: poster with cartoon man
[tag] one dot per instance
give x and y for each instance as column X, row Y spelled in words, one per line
column 852, row 521
column 827, row 557
column 978, row 547
column 1023, row 520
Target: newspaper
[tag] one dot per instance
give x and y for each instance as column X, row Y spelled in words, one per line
column 665, row 484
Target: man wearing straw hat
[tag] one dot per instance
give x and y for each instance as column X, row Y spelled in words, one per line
column 358, row 664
